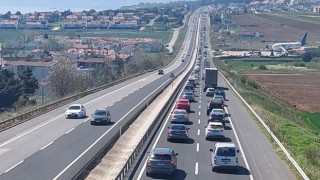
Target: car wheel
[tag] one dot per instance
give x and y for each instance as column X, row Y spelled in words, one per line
column 92, row 123
column 148, row 174
column 212, row 168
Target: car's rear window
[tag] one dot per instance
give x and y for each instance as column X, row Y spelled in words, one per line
column 161, row 157
column 226, row 151
column 179, row 112
column 100, row 113
column 216, row 127
column 74, row 107
column 178, row 128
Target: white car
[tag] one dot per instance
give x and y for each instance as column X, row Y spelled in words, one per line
column 75, row 111
column 225, row 155
column 214, row 130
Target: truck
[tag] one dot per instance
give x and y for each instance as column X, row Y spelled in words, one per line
column 210, row 78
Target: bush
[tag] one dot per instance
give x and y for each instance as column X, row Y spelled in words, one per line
column 299, row 64
column 243, row 80
column 262, row 67
column 252, row 84
column 306, row 57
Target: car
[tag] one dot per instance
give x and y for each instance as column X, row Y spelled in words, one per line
column 179, row 116
column 178, row 132
column 162, row 160
column 182, row 60
column 217, row 111
column 189, row 87
column 214, row 130
column 214, row 104
column 160, row 72
column 75, row 111
column 210, row 92
column 191, row 82
column 225, row 155
column 189, row 96
column 101, row 116
column 183, row 104
column 221, row 93
column 217, row 118
column 218, row 98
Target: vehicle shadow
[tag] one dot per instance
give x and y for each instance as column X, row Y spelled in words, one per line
column 189, row 123
column 103, row 124
column 226, row 139
column 191, row 111
column 227, row 128
column 179, row 174
column 241, row 171
column 181, row 141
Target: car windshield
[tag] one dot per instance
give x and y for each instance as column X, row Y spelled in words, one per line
column 210, row 89
column 100, row 113
column 74, row 107
column 188, row 93
column 178, row 128
column 161, row 157
column 183, row 102
column 179, row 112
column 226, row 151
column 217, row 111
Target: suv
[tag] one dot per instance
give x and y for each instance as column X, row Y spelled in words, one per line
column 101, row 116
column 162, row 160
column 214, row 104
column 224, row 155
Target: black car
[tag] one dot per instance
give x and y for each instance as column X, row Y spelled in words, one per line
column 221, row 93
column 160, row 72
column 214, row 104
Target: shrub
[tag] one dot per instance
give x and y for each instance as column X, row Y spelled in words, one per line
column 243, row 80
column 262, row 67
column 252, row 84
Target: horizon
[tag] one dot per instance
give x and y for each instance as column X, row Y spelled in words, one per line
column 60, row 5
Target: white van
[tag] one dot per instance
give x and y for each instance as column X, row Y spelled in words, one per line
column 224, row 155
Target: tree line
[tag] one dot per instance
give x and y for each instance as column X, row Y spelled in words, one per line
column 16, row 89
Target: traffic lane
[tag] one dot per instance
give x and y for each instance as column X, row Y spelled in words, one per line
column 186, row 159
column 14, row 154
column 262, row 159
column 205, row 171
column 79, row 139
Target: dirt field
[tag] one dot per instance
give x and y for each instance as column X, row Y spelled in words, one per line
column 278, row 29
column 300, row 91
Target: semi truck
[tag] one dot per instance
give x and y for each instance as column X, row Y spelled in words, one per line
column 210, row 78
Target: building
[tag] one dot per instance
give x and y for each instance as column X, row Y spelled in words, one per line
column 35, row 24
column 316, row 9
column 9, row 24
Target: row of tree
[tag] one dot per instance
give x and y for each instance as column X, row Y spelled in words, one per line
column 16, row 89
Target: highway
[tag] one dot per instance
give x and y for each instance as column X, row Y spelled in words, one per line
column 46, row 146
column 257, row 157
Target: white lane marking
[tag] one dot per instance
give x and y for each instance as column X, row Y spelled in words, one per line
column 14, row 166
column 70, row 130
column 198, row 121
column 199, row 101
column 198, row 132
column 240, row 146
column 199, row 106
column 196, row 169
column 46, row 146
column 199, row 113
column 86, row 120
column 197, row 147
column 89, row 148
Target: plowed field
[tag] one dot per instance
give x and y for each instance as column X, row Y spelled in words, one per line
column 300, row 91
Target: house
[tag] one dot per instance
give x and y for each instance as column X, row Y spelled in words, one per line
column 35, row 24
column 72, row 17
column 97, row 64
column 103, row 24
column 316, row 9
column 40, row 70
column 73, row 24
column 15, row 17
column 9, row 24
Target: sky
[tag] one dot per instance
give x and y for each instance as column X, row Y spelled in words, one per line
column 75, row 5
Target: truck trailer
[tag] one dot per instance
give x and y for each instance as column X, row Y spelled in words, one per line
column 210, row 78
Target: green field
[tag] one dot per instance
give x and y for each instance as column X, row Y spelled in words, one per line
column 312, row 119
column 160, row 36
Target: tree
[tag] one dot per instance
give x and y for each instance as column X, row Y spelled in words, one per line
column 29, row 84
column 9, row 88
column 61, row 79
column 18, row 13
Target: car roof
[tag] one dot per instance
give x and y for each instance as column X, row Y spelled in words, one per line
column 178, row 125
column 220, row 144
column 75, row 105
column 102, row 109
column 215, row 123
column 161, row 151
column 179, row 110
column 183, row 100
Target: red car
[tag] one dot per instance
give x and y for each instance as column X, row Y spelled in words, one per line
column 183, row 104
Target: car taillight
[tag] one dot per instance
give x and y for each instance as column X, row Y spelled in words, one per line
column 236, row 160
column 170, row 132
column 171, row 162
column 209, row 118
column 222, row 129
column 185, row 132
column 150, row 162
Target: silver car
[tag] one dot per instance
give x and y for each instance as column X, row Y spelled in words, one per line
column 101, row 116
column 218, row 97
column 178, row 132
column 210, row 92
column 214, row 130
column 179, row 116
column 162, row 160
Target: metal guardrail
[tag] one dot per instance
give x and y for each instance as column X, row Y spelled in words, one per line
column 285, row 151
column 158, row 121
column 6, row 124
